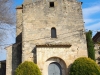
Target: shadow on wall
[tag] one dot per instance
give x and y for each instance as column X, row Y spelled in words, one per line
column 34, row 55
column 3, row 67
column 19, row 38
column 16, row 56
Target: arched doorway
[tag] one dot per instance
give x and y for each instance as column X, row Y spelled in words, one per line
column 58, row 62
column 54, row 68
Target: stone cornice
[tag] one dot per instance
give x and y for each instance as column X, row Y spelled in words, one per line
column 51, row 45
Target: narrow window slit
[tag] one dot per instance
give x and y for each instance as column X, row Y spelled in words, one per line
column 53, row 33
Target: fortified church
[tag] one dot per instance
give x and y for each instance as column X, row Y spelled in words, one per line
column 49, row 33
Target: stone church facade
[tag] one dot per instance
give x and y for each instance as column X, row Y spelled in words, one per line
column 49, row 33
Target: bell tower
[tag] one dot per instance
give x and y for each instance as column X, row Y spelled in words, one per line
column 52, row 34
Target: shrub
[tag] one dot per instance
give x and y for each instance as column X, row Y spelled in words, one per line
column 84, row 66
column 27, row 68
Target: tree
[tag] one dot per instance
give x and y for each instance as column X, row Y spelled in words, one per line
column 84, row 66
column 7, row 21
column 90, row 45
column 7, row 18
column 27, row 68
column 6, row 12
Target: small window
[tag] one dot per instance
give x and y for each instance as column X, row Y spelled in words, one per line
column 98, row 58
column 53, row 33
column 51, row 4
column 99, row 52
column 98, row 62
column 99, row 48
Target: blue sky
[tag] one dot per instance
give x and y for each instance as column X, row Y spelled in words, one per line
column 91, row 16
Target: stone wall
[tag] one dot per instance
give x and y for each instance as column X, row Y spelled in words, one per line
column 9, row 61
column 56, row 54
column 19, row 24
column 97, row 53
column 16, row 56
column 39, row 18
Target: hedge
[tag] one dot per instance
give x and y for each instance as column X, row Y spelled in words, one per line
column 84, row 66
column 27, row 68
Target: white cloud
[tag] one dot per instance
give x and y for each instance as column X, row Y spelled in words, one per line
column 87, row 21
column 93, row 27
column 87, row 12
column 91, row 20
column 92, row 23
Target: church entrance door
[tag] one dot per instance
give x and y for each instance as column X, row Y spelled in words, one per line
column 54, row 69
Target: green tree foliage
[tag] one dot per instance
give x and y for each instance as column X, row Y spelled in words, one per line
column 90, row 45
column 84, row 66
column 27, row 68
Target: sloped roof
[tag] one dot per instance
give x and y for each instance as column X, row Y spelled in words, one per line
column 96, row 37
column 19, row 7
column 3, row 61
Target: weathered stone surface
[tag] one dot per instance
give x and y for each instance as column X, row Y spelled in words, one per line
column 37, row 19
column 9, row 61
column 97, row 53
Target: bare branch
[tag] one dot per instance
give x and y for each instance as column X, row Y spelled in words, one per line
column 7, row 17
column 7, row 14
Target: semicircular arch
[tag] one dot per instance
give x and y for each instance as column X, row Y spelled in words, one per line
column 58, row 60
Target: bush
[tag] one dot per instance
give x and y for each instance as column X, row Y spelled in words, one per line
column 27, row 68
column 84, row 66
